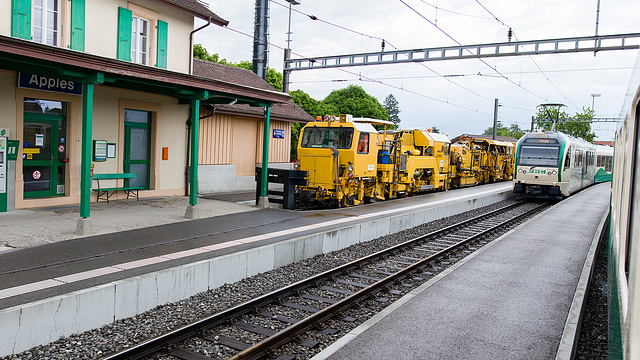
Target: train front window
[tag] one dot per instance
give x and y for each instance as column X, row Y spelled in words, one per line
column 539, row 155
column 324, row 137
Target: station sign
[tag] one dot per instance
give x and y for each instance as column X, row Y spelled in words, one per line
column 39, row 82
column 278, row 134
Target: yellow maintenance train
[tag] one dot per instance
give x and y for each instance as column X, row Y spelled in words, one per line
column 349, row 162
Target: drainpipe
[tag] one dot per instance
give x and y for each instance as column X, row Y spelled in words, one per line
column 191, row 44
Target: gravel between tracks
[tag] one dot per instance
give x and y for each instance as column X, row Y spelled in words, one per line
column 127, row 332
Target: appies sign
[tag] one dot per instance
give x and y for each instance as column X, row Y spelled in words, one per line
column 38, row 82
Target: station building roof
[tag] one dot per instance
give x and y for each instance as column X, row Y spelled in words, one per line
column 196, row 8
column 285, row 111
column 27, row 56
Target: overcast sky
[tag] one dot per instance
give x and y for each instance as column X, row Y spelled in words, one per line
column 462, row 100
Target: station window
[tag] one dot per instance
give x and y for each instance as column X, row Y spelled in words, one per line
column 363, row 143
column 46, row 22
column 140, row 40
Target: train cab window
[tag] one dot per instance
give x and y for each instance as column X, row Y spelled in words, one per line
column 363, row 143
column 325, row 137
column 539, row 155
column 567, row 160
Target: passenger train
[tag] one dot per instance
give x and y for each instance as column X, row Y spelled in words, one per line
column 552, row 165
column 624, row 234
column 349, row 162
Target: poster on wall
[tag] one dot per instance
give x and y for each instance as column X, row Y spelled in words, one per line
column 99, row 150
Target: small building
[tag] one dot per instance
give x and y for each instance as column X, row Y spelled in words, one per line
column 108, row 87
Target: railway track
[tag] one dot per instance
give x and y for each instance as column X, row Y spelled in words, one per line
column 288, row 322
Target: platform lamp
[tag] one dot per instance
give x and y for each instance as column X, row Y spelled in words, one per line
column 593, row 101
column 287, row 51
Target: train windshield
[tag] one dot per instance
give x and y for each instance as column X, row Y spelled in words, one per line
column 539, row 155
column 323, row 137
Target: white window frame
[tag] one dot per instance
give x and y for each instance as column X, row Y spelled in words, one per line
column 140, row 53
column 44, row 26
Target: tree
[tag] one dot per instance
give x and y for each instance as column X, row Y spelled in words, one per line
column 391, row 106
column 200, row 52
column 578, row 125
column 355, row 101
column 435, row 130
column 501, row 130
column 312, row 106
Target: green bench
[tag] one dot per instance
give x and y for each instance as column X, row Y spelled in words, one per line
column 107, row 192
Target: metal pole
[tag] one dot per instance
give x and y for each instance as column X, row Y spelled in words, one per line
column 85, row 165
column 263, row 202
column 495, row 119
column 285, row 72
column 195, row 127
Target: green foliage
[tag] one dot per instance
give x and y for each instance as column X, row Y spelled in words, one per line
column 577, row 125
column 355, row 101
column 312, row 106
column 392, row 109
column 295, row 135
column 501, row 130
column 200, row 52
column 435, row 130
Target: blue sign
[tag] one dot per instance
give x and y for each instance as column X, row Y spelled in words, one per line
column 278, row 134
column 38, row 82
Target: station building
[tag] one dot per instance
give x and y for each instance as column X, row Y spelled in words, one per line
column 110, row 86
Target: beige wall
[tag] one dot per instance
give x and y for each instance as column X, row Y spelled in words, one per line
column 234, row 139
column 102, row 30
column 5, row 18
column 8, row 102
column 168, row 130
column 279, row 149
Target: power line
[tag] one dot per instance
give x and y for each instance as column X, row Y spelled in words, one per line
column 530, row 57
column 469, row 51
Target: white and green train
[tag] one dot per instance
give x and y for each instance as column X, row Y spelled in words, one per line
column 553, row 165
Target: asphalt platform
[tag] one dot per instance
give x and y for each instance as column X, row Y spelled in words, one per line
column 518, row 298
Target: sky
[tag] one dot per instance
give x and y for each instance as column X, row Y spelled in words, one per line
column 456, row 96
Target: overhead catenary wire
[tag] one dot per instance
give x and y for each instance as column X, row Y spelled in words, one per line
column 469, row 51
column 361, row 78
column 511, row 33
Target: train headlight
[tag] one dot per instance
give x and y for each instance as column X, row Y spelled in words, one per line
column 296, row 166
column 350, row 167
column 552, row 172
column 522, row 171
column 350, row 174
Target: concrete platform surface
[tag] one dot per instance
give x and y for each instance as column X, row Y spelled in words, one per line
column 124, row 273
column 510, row 301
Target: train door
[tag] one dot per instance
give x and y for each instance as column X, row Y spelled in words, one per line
column 44, row 148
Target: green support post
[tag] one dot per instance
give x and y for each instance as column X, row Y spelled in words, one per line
column 193, row 173
column 265, row 152
column 85, row 165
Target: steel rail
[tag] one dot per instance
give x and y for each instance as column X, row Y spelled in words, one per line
column 193, row 329
column 266, row 346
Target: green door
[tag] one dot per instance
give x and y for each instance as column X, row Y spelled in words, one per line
column 44, row 153
column 137, row 146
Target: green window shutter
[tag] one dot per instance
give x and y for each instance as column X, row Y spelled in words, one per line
column 163, row 29
column 77, row 25
column 21, row 19
column 125, row 17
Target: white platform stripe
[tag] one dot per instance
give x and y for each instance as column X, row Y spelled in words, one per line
column 85, row 275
